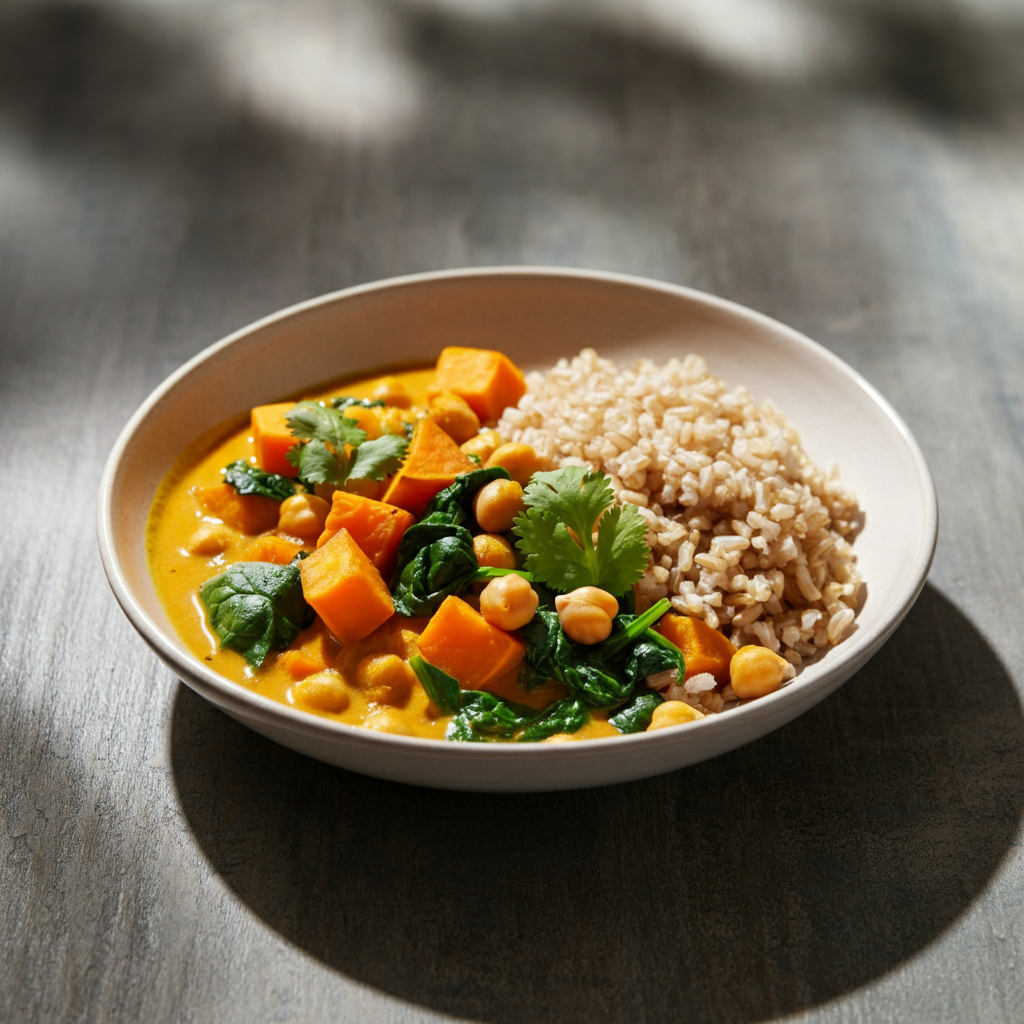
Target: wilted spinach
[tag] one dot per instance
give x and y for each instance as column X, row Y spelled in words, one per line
column 435, row 557
column 254, row 607
column 637, row 713
column 568, row 715
column 601, row 675
column 249, row 479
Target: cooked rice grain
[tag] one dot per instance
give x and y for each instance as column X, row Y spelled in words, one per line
column 745, row 531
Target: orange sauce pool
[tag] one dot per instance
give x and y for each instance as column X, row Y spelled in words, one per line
column 175, row 520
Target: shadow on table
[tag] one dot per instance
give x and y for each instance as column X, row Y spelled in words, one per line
column 759, row 883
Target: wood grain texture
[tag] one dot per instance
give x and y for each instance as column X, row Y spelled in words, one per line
column 856, row 173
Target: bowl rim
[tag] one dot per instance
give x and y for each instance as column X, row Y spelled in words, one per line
column 234, row 698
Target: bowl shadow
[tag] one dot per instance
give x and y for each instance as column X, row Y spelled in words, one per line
column 757, row 884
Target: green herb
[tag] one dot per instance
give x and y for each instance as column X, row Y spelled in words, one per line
column 347, row 401
column 573, row 499
column 436, row 557
column 476, row 715
column 249, row 479
column 254, row 607
column 335, row 448
column 637, row 714
column 568, row 715
column 602, row 675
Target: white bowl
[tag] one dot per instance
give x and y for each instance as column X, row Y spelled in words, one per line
column 535, row 315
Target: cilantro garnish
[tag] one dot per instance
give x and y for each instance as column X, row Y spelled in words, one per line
column 335, row 448
column 573, row 499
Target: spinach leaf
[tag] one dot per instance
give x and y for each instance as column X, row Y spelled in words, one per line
column 601, row 675
column 484, row 716
column 436, row 557
column 476, row 715
column 441, row 688
column 256, row 606
column 249, row 479
column 568, row 715
column 636, row 715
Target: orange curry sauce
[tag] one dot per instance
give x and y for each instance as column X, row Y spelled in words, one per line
column 174, row 520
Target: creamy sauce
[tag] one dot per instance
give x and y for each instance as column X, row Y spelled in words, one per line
column 174, row 520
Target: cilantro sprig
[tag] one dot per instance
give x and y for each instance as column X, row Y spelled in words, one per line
column 335, row 448
column 556, row 533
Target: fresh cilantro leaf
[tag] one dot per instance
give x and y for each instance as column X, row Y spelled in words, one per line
column 256, row 606
column 556, row 533
column 378, row 458
column 335, row 447
column 317, row 464
column 312, row 421
column 249, row 479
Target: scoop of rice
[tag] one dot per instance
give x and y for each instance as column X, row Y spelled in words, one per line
column 746, row 532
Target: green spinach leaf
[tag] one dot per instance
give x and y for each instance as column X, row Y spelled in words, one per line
column 568, row 715
column 436, row 557
column 636, row 715
column 249, row 479
column 254, row 607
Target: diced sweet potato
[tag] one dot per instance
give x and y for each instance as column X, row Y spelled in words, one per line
column 704, row 648
column 273, row 439
column 313, row 654
column 488, row 381
column 432, row 462
column 271, row 548
column 462, row 643
column 345, row 589
column 246, row 512
column 376, row 527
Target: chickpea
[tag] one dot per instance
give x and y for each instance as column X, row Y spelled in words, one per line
column 497, row 504
column 520, row 460
column 324, row 691
column 392, row 391
column 586, row 614
column 454, row 416
column 393, row 420
column 386, row 679
column 215, row 538
column 493, row 551
column 303, row 515
column 508, row 602
column 673, row 712
column 755, row 671
column 387, row 720
column 483, row 445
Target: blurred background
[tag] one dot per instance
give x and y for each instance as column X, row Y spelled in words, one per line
column 173, row 169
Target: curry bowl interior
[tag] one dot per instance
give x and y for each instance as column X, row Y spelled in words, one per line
column 536, row 316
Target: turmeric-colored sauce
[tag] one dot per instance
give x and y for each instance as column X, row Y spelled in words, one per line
column 355, row 683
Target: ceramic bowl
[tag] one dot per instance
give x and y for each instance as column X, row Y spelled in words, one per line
column 535, row 315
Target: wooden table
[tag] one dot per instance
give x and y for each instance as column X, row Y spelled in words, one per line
column 170, row 172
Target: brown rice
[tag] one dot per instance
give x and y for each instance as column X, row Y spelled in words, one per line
column 746, row 532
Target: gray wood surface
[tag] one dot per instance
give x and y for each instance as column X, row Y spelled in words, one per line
column 170, row 171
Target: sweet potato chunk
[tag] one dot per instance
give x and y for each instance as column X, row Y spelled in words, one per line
column 271, row 548
column 433, row 462
column 377, row 528
column 273, row 439
column 314, row 654
column 488, row 381
column 246, row 512
column 345, row 589
column 704, row 648
column 462, row 643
